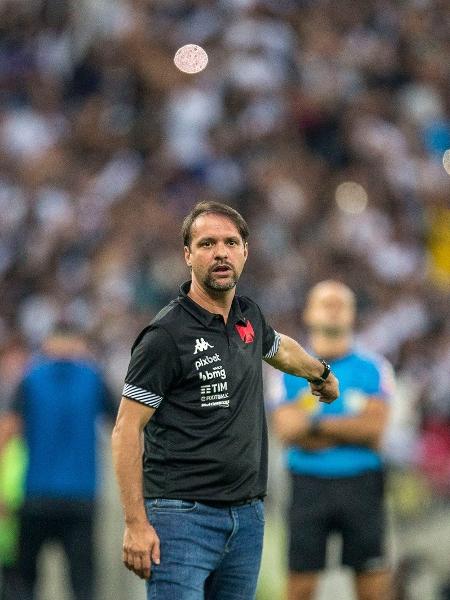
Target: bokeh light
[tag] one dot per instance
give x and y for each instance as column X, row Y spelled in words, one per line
column 351, row 197
column 446, row 161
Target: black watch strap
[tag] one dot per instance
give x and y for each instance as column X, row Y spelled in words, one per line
column 323, row 377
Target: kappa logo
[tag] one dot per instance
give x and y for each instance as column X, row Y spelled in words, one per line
column 201, row 345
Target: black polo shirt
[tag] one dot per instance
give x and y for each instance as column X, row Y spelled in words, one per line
column 207, row 439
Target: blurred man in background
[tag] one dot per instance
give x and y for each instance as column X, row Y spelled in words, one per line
column 56, row 407
column 333, row 453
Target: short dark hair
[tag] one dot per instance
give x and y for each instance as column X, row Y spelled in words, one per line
column 215, row 208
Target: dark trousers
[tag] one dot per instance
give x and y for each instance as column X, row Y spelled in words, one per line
column 67, row 522
column 10, row 583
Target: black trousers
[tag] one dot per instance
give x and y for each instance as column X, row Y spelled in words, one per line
column 10, row 583
column 350, row 506
column 67, row 522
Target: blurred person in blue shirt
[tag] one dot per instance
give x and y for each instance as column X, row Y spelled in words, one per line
column 56, row 408
column 332, row 453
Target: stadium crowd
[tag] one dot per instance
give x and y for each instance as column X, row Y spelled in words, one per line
column 324, row 124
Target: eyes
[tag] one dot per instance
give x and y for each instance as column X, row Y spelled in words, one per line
column 210, row 243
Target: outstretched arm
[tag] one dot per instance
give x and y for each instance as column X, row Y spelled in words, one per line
column 292, row 358
column 140, row 541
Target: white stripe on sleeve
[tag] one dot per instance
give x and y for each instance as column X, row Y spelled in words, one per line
column 275, row 346
column 141, row 395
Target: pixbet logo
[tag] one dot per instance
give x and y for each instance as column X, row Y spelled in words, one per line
column 207, row 360
column 216, row 373
column 201, row 345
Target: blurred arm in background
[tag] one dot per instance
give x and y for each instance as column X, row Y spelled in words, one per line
column 293, row 425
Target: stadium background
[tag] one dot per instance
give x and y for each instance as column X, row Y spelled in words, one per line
column 325, row 123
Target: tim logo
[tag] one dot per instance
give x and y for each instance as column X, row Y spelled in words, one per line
column 201, row 345
column 246, row 332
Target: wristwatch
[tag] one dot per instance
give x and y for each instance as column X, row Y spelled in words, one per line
column 326, row 371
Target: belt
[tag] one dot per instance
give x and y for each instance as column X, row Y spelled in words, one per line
column 231, row 503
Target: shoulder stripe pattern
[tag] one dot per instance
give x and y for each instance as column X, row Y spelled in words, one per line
column 141, row 395
column 275, row 346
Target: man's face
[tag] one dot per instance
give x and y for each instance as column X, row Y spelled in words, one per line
column 330, row 309
column 217, row 253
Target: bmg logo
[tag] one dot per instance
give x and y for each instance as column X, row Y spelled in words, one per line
column 218, row 373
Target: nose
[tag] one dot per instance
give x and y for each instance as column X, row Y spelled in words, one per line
column 221, row 251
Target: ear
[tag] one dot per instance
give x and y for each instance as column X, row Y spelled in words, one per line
column 187, row 256
column 245, row 250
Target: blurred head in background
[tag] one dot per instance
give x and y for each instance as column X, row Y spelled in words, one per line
column 330, row 316
column 66, row 342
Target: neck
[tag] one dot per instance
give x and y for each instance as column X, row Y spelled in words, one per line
column 217, row 303
column 330, row 347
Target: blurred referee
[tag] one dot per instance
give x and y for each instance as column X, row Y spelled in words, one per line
column 193, row 505
column 332, row 455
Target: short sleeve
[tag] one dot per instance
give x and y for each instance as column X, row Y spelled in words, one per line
column 153, row 368
column 274, row 389
column 282, row 388
column 386, row 384
column 293, row 387
column 381, row 380
column 271, row 339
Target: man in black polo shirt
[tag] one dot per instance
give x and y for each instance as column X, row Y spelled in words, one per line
column 193, row 506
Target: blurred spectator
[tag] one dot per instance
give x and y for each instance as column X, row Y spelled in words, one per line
column 12, row 470
column 56, row 407
column 333, row 455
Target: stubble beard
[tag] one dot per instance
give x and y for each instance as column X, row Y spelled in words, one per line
column 217, row 286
